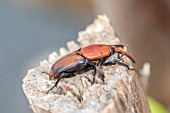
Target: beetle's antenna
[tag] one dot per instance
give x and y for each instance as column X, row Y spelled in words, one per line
column 46, row 73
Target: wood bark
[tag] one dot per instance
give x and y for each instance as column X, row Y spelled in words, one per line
column 116, row 89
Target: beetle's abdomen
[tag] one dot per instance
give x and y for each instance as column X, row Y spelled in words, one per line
column 95, row 51
column 68, row 63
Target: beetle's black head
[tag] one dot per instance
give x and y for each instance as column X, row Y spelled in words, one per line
column 52, row 75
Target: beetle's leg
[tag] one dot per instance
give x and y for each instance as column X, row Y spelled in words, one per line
column 117, row 62
column 94, row 75
column 125, row 65
column 86, row 62
column 120, row 58
column 62, row 75
column 56, row 83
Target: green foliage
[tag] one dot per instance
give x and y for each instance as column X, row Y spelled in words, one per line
column 155, row 106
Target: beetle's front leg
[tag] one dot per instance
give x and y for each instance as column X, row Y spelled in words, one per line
column 117, row 62
column 120, row 56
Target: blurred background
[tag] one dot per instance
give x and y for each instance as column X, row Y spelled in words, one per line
column 31, row 29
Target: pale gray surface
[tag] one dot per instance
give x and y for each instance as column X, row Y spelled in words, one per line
column 28, row 35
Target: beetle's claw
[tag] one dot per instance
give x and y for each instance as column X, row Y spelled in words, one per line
column 49, row 90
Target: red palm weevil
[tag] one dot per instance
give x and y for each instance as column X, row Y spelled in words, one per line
column 85, row 59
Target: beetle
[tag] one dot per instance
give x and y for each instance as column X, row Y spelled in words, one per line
column 85, row 59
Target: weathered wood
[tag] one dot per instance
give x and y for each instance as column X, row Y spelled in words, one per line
column 116, row 89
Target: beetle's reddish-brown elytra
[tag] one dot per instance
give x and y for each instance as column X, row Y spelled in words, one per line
column 85, row 59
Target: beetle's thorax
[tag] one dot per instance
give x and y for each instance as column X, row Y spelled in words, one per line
column 96, row 51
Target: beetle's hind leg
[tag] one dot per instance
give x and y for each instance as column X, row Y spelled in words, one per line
column 56, row 83
column 62, row 75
